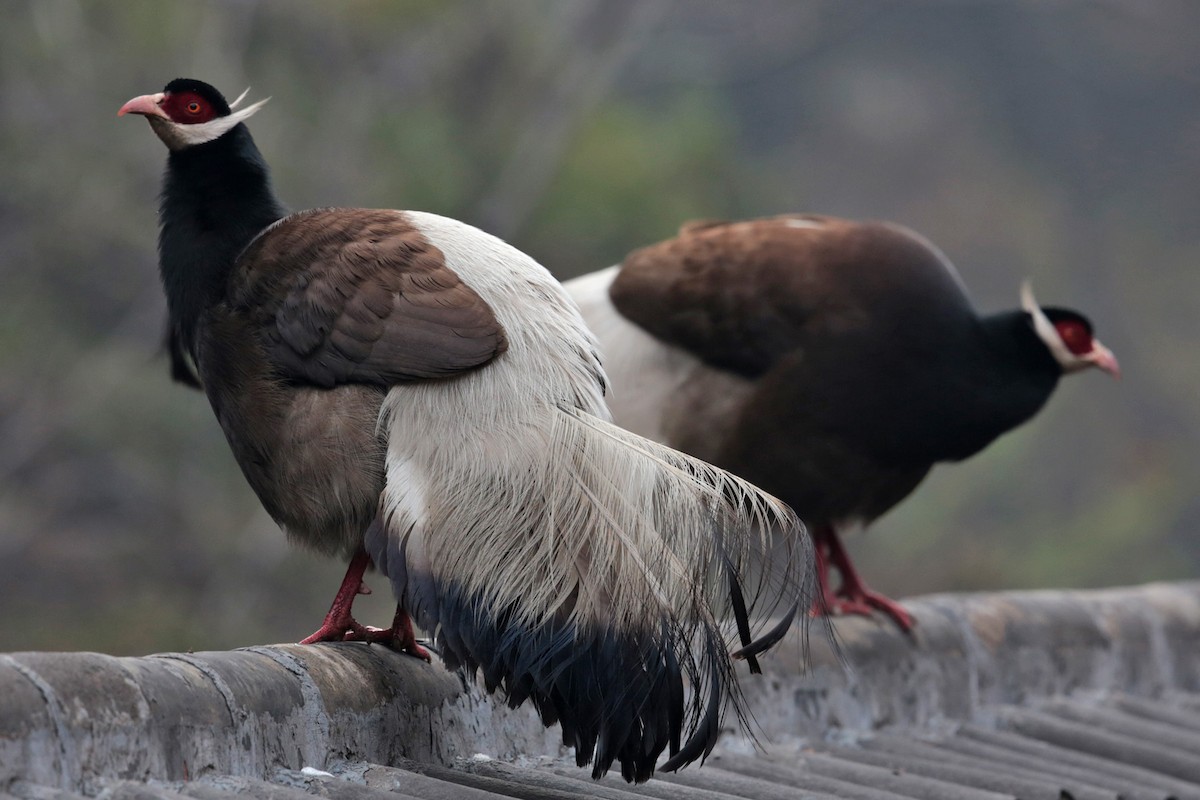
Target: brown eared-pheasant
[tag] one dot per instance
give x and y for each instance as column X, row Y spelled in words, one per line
column 829, row 361
column 410, row 393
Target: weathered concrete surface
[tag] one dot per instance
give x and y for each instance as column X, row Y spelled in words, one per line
column 67, row 718
column 973, row 652
column 84, row 721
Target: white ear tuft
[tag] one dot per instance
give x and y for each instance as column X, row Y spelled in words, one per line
column 240, row 98
column 1041, row 323
column 1028, row 302
column 245, row 113
column 1046, row 331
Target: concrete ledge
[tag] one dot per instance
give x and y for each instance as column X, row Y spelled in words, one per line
column 67, row 718
column 74, row 720
column 972, row 652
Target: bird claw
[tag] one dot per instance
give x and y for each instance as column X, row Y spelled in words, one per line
column 416, row 651
column 366, row 633
column 404, row 639
column 865, row 603
column 853, row 596
column 353, row 631
column 341, row 626
column 400, row 637
column 347, row 629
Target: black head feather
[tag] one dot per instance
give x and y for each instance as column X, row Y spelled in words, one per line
column 1057, row 314
column 206, row 91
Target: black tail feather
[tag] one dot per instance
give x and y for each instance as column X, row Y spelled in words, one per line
column 704, row 738
column 619, row 696
column 767, row 640
column 741, row 617
column 623, row 691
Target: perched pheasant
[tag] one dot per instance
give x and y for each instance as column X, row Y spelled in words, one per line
column 403, row 389
column 828, row 361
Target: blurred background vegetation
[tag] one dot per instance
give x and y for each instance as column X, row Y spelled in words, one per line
column 1059, row 141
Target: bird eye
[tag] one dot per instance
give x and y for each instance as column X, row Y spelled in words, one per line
column 193, row 108
column 1075, row 336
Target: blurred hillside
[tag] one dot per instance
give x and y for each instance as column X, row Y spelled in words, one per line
column 1059, row 141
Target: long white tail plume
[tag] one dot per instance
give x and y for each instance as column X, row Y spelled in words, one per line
column 597, row 574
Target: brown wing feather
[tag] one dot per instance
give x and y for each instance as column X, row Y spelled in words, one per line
column 354, row 295
column 742, row 295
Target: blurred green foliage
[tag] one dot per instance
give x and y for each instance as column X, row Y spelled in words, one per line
column 1058, row 141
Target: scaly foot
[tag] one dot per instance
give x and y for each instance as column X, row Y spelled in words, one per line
column 853, row 596
column 340, row 625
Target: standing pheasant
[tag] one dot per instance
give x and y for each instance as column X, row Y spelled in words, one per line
column 404, row 389
column 831, row 362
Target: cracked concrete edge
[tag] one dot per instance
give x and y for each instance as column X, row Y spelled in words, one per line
column 971, row 652
column 68, row 720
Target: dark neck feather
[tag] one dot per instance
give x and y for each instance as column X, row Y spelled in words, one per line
column 216, row 197
column 1008, row 383
column 1013, row 341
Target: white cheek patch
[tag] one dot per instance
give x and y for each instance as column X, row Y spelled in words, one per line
column 178, row 136
column 1048, row 333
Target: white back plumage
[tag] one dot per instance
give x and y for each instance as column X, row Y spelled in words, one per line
column 575, row 563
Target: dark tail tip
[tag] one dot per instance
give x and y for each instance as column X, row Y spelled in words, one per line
column 768, row 640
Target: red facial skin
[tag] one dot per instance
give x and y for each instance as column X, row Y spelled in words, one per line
column 187, row 108
column 1078, row 339
column 1075, row 336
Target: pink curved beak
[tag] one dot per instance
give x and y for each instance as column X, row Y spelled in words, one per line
column 1102, row 357
column 148, row 105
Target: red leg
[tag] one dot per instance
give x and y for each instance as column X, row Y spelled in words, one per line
column 339, row 621
column 403, row 638
column 340, row 625
column 853, row 596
